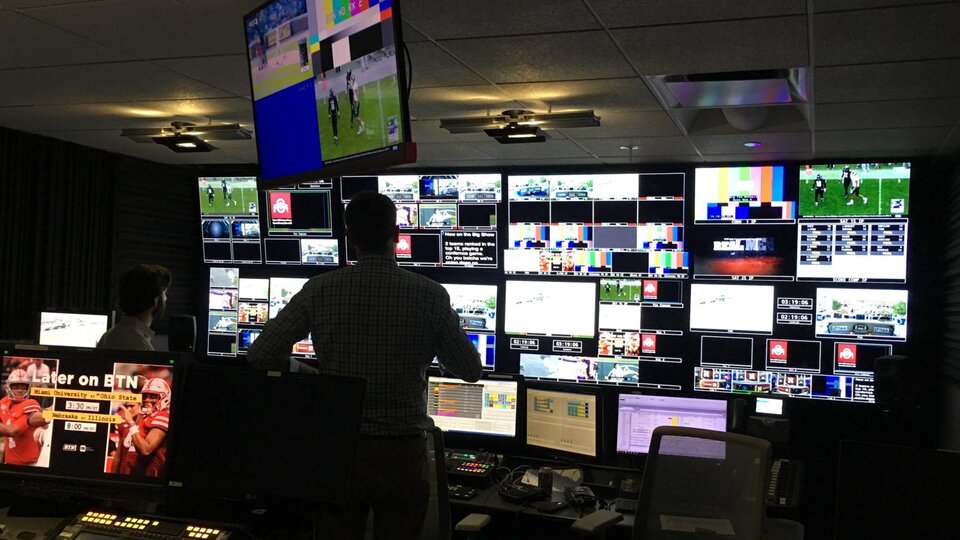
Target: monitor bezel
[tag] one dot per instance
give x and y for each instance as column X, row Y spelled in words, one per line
column 112, row 319
column 543, row 452
column 484, row 441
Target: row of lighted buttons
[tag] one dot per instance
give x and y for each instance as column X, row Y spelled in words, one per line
column 473, row 467
column 102, row 516
column 201, row 530
column 140, row 521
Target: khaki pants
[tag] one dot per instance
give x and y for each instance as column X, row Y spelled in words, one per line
column 391, row 480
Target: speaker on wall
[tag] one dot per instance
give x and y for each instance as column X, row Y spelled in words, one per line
column 183, row 333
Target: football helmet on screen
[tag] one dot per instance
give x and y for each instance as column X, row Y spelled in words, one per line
column 159, row 391
column 17, row 377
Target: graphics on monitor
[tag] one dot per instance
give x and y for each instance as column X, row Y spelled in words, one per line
column 862, row 314
column 229, row 223
column 742, row 195
column 563, row 421
column 565, row 368
column 254, row 289
column 486, row 407
column 475, row 304
column 72, row 329
column 593, row 225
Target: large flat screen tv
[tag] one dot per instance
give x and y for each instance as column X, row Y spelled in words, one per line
column 329, row 88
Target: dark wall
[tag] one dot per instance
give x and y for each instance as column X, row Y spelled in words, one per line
column 949, row 357
column 72, row 218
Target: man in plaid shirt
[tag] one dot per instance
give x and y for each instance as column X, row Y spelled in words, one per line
column 376, row 321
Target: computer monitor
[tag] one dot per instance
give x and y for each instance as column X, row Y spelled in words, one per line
column 769, row 406
column 638, row 415
column 486, row 408
column 83, row 419
column 253, row 461
column 71, row 329
column 564, row 422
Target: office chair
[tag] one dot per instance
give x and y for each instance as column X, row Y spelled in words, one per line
column 702, row 484
column 437, row 525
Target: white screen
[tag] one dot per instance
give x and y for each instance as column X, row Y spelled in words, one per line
column 769, row 406
column 72, row 329
column 551, row 308
column 731, row 308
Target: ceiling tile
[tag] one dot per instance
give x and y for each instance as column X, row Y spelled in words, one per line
column 146, row 29
column 451, row 151
column 879, row 143
column 889, row 81
column 228, row 73
column 432, row 66
column 458, row 101
column 95, row 116
column 603, row 94
column 549, row 57
column 428, row 131
column 443, row 19
column 888, row 114
column 620, row 13
column 628, row 124
column 844, row 5
column 711, row 47
column 779, row 119
column 793, row 143
column 647, row 146
column 920, row 32
column 27, row 43
column 109, row 141
column 759, row 158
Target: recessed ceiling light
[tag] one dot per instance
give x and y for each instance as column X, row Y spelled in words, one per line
column 752, row 144
column 634, row 147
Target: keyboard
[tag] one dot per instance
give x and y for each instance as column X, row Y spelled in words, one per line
column 625, row 506
column 461, row 492
column 786, row 482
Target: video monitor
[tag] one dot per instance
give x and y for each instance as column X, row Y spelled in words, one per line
column 254, row 289
column 447, row 221
column 855, row 189
column 475, row 304
column 563, row 421
column 871, row 314
column 726, row 351
column 746, row 195
column 794, row 355
column 647, row 292
column 638, row 415
column 712, row 308
column 854, row 222
column 329, row 89
column 858, row 358
column 282, row 290
column 487, row 407
column 331, row 406
column 744, row 252
column 73, row 329
column 595, row 225
column 551, row 308
column 230, row 220
column 769, row 406
column 96, row 423
column 300, row 213
column 559, row 367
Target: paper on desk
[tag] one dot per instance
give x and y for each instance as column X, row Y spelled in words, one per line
column 692, row 524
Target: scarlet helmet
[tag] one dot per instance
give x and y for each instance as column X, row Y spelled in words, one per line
column 17, row 376
column 159, row 388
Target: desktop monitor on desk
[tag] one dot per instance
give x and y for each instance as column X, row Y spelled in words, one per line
column 638, row 415
column 480, row 414
column 82, row 418
column 72, row 329
column 564, row 423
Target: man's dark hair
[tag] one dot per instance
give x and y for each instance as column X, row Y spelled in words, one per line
column 140, row 285
column 370, row 218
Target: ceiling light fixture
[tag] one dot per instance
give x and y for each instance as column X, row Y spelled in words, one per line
column 508, row 126
column 752, row 144
column 516, row 133
column 184, row 144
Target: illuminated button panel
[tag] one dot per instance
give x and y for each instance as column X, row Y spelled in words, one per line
column 151, row 528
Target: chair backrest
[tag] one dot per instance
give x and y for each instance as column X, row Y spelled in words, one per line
column 703, row 484
column 437, row 522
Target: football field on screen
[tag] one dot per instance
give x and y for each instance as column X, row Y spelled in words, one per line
column 379, row 100
column 881, row 187
column 242, row 197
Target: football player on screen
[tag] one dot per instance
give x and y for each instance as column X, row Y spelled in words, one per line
column 819, row 189
column 145, row 442
column 20, row 417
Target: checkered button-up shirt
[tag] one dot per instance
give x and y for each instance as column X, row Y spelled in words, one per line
column 379, row 322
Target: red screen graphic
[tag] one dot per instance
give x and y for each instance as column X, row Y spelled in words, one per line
column 778, row 352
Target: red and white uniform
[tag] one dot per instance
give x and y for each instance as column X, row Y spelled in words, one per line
column 22, row 449
column 155, row 464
